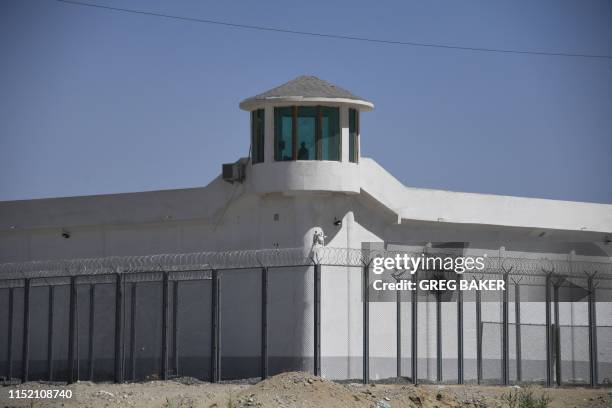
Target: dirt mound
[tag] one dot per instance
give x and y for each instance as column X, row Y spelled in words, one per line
column 303, row 389
column 294, row 388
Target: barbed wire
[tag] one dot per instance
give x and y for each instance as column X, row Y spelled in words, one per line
column 285, row 257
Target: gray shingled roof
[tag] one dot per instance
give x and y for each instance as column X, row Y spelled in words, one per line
column 306, row 87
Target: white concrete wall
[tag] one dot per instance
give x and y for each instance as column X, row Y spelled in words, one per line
column 290, row 177
column 279, row 206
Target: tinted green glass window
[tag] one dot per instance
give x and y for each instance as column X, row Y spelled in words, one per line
column 330, row 133
column 306, row 132
column 353, row 135
column 257, row 135
column 283, row 133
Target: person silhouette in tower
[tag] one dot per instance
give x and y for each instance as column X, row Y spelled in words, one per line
column 303, row 152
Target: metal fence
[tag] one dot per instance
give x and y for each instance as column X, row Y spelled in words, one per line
column 124, row 319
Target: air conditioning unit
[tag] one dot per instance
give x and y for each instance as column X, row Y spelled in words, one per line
column 233, row 172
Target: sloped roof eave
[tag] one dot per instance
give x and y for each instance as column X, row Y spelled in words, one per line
column 256, row 103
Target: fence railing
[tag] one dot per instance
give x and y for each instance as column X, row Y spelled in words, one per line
column 123, row 318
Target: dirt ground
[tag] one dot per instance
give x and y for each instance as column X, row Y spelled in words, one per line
column 295, row 389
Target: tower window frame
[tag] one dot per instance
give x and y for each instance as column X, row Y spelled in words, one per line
column 319, row 141
column 353, row 135
column 258, row 132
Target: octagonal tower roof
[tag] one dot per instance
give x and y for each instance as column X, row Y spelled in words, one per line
column 306, row 89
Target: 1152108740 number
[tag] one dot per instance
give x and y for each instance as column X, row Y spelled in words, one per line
column 40, row 394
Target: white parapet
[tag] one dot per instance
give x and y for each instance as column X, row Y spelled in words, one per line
column 290, row 177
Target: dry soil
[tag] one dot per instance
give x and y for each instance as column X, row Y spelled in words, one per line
column 296, row 389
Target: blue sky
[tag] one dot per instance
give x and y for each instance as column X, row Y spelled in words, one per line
column 95, row 101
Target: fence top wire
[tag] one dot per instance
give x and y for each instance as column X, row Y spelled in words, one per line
column 286, row 257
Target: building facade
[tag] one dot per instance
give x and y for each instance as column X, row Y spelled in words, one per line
column 306, row 185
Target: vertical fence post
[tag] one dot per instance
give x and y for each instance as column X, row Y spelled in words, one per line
column 264, row 322
column 92, row 330
column 175, row 327
column 439, row 335
column 517, row 319
column 414, row 340
column 317, row 319
column 9, row 350
column 215, row 333
column 76, row 330
column 366, row 324
column 119, row 328
column 459, row 336
column 72, row 327
column 71, row 330
column 133, row 302
column 593, row 374
column 505, row 333
column 26, row 331
column 50, row 333
column 557, row 344
column 548, row 333
column 478, row 337
column 164, row 354
column 398, row 333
